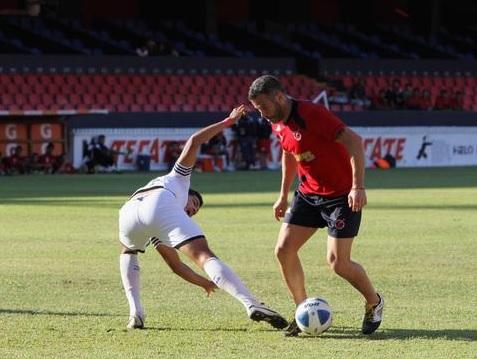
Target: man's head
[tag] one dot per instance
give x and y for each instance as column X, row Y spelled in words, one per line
column 194, row 203
column 268, row 97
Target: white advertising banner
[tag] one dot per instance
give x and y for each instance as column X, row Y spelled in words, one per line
column 421, row 146
column 130, row 142
column 410, row 146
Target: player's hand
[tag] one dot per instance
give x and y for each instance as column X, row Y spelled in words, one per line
column 357, row 199
column 237, row 112
column 280, row 207
column 209, row 288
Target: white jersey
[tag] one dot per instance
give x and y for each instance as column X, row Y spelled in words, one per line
column 177, row 181
column 159, row 216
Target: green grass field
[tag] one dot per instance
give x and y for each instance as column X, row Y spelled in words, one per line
column 61, row 295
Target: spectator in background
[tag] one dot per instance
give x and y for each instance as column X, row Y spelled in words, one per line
column 99, row 155
column 217, row 148
column 357, row 94
column 426, row 101
column 443, row 101
column 394, row 95
column 152, row 48
column 457, row 101
column 380, row 101
column 246, row 134
column 406, row 95
column 264, row 130
column 15, row 163
column 149, row 48
column 2, row 165
column 48, row 162
column 414, row 101
column 172, row 153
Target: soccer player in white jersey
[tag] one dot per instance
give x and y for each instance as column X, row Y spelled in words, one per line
column 160, row 213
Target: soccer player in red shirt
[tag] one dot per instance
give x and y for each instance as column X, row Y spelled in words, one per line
column 328, row 159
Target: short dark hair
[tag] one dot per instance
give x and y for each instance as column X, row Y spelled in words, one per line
column 264, row 85
column 193, row 192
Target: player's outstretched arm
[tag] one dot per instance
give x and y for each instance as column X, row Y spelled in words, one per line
column 188, row 156
column 183, row 270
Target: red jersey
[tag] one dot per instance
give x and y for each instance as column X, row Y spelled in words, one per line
column 309, row 134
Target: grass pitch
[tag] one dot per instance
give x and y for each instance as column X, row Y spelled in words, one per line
column 61, row 294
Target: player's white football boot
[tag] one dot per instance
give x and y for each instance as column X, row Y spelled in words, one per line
column 373, row 316
column 136, row 322
column 261, row 313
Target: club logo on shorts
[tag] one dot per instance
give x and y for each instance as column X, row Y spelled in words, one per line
column 340, row 224
column 297, row 135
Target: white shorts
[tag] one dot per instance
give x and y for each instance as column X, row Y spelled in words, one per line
column 156, row 215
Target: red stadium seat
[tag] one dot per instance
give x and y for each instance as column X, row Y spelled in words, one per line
column 75, row 100
column 149, row 108
column 175, row 108
column 200, row 81
column 161, row 80
column 101, row 99
column 160, row 107
column 87, row 100
column 137, row 80
column 136, row 108
column 179, row 99
column 201, row 107
column 196, row 90
column 98, row 80
column 140, row 99
column 188, row 107
column 213, row 108
column 124, row 80
column 46, row 100
column 127, row 99
column 110, row 80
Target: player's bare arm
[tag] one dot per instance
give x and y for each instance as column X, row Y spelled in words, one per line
column 289, row 168
column 188, row 156
column 171, row 257
column 354, row 144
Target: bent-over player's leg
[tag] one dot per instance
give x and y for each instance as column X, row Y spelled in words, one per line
column 339, row 260
column 129, row 268
column 290, row 239
column 219, row 272
column 226, row 279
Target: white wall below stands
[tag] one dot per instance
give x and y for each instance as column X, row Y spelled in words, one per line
column 443, row 146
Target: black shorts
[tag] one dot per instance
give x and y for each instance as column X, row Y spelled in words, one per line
column 319, row 212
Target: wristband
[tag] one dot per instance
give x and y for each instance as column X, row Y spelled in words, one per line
column 228, row 121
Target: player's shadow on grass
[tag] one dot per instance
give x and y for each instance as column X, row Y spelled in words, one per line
column 49, row 312
column 179, row 329
column 400, row 334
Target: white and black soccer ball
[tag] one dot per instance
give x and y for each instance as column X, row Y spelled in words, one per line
column 313, row 316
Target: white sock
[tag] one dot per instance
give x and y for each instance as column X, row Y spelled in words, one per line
column 226, row 279
column 129, row 266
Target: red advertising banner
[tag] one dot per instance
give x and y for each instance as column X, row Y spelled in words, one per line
column 13, row 132
column 12, row 135
column 47, row 132
column 44, row 133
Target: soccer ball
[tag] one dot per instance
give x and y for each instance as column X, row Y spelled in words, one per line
column 313, row 316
